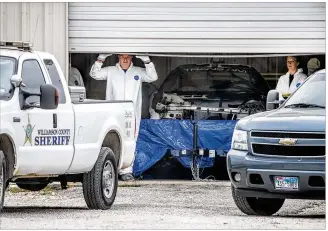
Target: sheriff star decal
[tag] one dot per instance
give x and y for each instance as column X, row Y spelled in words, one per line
column 28, row 132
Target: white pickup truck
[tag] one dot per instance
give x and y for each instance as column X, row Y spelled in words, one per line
column 49, row 133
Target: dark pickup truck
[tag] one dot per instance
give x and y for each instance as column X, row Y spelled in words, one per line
column 280, row 153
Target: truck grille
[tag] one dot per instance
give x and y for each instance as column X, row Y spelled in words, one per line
column 278, row 150
column 289, row 135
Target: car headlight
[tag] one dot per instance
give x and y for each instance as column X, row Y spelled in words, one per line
column 239, row 140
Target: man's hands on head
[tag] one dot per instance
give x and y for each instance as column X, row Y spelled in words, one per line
column 144, row 59
column 102, row 57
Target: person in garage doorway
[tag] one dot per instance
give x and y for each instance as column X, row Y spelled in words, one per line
column 289, row 82
column 124, row 82
column 313, row 65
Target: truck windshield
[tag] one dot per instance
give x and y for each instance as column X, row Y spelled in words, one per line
column 311, row 94
column 7, row 70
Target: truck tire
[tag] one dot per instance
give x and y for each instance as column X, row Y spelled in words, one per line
column 3, row 179
column 100, row 184
column 257, row 206
column 32, row 187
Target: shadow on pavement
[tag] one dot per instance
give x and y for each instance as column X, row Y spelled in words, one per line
column 29, row 209
column 302, row 216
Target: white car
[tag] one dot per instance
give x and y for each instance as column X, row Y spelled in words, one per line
column 49, row 132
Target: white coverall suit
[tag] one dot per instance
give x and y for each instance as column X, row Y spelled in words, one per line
column 283, row 83
column 127, row 85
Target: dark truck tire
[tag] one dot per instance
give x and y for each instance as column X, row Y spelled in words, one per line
column 32, row 187
column 3, row 179
column 257, row 206
column 100, row 184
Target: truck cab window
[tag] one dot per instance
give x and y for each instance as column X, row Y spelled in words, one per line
column 7, row 69
column 55, row 79
column 33, row 78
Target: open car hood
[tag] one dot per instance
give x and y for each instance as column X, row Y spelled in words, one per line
column 222, row 82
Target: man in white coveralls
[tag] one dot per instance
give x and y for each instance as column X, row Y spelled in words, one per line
column 124, row 82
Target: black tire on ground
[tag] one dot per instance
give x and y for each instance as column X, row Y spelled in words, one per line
column 3, row 179
column 32, row 187
column 257, row 206
column 94, row 182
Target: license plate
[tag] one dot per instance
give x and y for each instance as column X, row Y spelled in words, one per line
column 286, row 183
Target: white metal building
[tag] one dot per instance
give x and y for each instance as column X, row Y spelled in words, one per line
column 193, row 28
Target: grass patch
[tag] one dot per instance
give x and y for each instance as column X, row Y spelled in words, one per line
column 129, row 185
column 47, row 190
column 16, row 190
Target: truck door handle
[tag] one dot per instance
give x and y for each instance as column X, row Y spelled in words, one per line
column 54, row 116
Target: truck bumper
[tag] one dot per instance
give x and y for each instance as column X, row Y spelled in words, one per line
column 257, row 175
column 311, row 195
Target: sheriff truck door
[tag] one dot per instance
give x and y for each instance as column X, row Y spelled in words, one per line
column 47, row 147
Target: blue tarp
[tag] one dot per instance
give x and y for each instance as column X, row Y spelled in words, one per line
column 156, row 137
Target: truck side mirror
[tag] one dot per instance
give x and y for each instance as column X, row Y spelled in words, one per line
column 272, row 100
column 49, row 97
column 16, row 80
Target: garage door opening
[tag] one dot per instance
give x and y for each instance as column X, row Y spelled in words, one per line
column 207, row 82
column 203, row 78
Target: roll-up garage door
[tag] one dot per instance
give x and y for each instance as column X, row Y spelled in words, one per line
column 197, row 28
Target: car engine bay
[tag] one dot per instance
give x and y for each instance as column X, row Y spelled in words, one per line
column 209, row 92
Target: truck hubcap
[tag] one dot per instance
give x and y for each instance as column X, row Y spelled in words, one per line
column 108, row 179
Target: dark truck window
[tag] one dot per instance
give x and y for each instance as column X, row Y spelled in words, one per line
column 33, row 78
column 7, row 70
column 55, row 79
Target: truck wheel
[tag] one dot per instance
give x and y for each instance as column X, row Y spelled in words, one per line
column 3, row 181
column 257, row 206
column 100, row 184
column 32, row 187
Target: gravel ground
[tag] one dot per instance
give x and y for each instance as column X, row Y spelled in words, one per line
column 152, row 205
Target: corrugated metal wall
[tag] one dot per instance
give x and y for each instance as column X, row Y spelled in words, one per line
column 217, row 27
column 44, row 24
